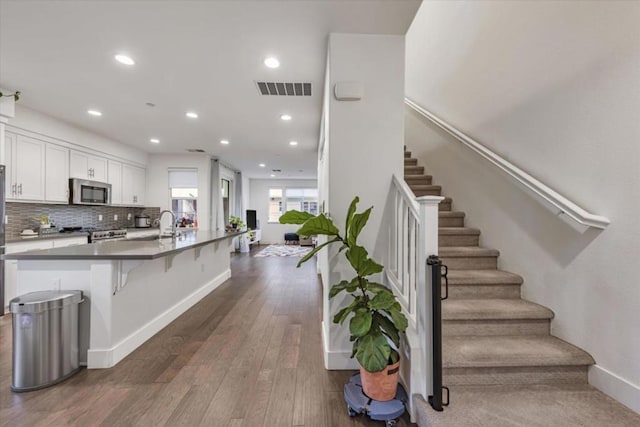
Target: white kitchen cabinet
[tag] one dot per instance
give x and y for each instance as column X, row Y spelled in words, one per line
column 142, row 232
column 56, row 173
column 114, row 177
column 11, row 266
column 87, row 166
column 133, row 185
column 70, row 241
column 25, row 176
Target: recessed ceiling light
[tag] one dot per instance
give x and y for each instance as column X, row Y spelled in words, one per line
column 191, row 115
column 272, row 62
column 262, row 165
column 94, row 113
column 155, row 140
column 285, row 117
column 124, row 59
column 293, row 143
column 224, row 141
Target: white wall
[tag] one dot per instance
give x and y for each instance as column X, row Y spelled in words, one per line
column 259, row 200
column 84, row 140
column 554, row 88
column 363, row 150
column 158, row 181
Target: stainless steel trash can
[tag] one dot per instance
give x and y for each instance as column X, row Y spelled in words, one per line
column 45, row 338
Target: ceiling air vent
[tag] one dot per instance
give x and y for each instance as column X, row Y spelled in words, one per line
column 195, row 150
column 284, row 89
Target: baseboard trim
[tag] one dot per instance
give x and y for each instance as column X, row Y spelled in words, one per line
column 107, row 358
column 618, row 388
column 336, row 360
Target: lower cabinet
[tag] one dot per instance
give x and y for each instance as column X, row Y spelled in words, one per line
column 11, row 266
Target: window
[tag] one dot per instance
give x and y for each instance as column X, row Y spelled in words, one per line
column 183, row 188
column 275, row 204
column 225, row 200
column 299, row 199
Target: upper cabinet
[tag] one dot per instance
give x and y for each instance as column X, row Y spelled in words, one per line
column 133, row 185
column 114, row 177
column 39, row 171
column 25, row 178
column 87, row 166
column 56, row 169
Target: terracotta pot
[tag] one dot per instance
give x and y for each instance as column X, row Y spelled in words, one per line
column 381, row 386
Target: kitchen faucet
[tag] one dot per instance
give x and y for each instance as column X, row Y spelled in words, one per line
column 173, row 224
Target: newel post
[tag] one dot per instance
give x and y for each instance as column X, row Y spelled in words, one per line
column 427, row 245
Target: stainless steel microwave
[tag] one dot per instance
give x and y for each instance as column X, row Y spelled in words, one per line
column 84, row 192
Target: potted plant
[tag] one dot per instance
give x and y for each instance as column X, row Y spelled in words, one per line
column 376, row 316
column 236, row 222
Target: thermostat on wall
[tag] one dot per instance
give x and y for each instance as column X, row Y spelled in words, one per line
column 348, row 91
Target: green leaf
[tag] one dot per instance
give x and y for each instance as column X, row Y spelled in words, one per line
column 295, row 217
column 388, row 327
column 399, row 320
column 355, row 348
column 318, row 225
column 360, row 323
column 342, row 315
column 382, row 301
column 377, row 288
column 336, row 289
column 393, row 357
column 361, row 263
column 315, row 250
column 350, row 212
column 373, row 352
column 356, row 225
column 353, row 285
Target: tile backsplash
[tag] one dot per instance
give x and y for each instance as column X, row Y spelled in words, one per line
column 20, row 216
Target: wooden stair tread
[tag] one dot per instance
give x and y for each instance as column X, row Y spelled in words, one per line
column 493, row 309
column 510, row 351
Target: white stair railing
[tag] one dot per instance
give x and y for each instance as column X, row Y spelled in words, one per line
column 566, row 210
column 413, row 237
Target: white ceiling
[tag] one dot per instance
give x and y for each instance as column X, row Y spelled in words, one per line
column 190, row 55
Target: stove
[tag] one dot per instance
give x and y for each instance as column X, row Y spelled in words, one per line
column 99, row 235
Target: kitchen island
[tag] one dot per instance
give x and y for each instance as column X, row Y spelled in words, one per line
column 133, row 288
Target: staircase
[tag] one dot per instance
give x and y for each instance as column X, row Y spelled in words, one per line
column 490, row 335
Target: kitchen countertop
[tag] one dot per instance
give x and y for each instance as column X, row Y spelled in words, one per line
column 126, row 249
column 49, row 236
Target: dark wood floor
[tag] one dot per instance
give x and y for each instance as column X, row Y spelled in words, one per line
column 249, row 354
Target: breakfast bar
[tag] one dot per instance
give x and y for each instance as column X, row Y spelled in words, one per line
column 132, row 288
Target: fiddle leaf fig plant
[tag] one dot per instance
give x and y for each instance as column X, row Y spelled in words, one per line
column 376, row 316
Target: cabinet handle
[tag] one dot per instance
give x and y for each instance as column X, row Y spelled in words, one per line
column 14, row 189
column 20, row 189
